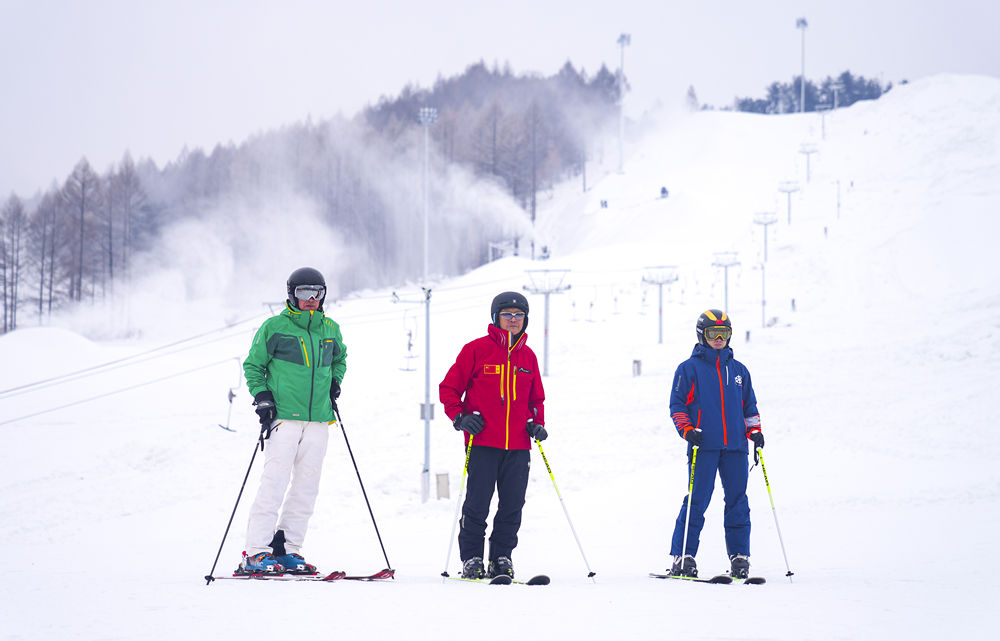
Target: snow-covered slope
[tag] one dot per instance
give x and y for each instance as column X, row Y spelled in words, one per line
column 874, row 387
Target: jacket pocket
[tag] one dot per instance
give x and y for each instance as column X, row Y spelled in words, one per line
column 285, row 347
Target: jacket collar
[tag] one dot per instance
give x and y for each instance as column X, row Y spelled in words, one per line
column 301, row 318
column 503, row 339
column 723, row 355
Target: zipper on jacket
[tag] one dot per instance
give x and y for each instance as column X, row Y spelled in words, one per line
column 722, row 401
column 507, row 410
column 312, row 378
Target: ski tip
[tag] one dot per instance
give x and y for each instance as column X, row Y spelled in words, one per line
column 501, row 580
column 539, row 579
column 721, row 578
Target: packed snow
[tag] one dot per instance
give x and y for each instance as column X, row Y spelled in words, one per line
column 872, row 361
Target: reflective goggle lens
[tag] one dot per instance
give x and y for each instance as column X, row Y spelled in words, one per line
column 713, row 333
column 307, row 292
column 512, row 315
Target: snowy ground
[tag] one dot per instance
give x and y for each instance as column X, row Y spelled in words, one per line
column 874, row 392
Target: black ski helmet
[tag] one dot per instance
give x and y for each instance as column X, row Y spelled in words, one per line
column 304, row 276
column 709, row 318
column 509, row 299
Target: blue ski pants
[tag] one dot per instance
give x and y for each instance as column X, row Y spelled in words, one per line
column 731, row 467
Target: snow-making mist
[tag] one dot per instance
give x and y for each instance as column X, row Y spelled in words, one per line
column 872, row 357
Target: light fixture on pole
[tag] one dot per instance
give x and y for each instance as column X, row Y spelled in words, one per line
column 789, row 187
column 660, row 276
column 765, row 218
column 546, row 281
column 802, row 24
column 725, row 260
column 623, row 41
column 428, row 116
column 808, row 149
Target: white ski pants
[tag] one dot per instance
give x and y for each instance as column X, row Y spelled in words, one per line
column 294, row 452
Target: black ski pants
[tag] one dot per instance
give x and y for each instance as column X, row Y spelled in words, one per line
column 506, row 471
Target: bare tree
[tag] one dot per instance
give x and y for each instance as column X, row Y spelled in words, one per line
column 12, row 221
column 82, row 194
column 131, row 197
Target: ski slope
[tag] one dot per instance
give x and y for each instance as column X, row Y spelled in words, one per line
column 875, row 393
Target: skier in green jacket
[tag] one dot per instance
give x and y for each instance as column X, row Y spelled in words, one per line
column 294, row 371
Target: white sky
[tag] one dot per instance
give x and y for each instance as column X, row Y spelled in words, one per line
column 96, row 78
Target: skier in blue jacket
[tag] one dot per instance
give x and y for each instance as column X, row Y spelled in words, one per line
column 714, row 409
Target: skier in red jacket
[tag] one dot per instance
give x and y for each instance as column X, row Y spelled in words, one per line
column 494, row 394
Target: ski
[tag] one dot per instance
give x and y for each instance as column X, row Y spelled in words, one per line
column 497, row 580
column 753, row 580
column 332, row 576
column 337, row 575
column 378, row 576
column 538, row 579
column 722, row 579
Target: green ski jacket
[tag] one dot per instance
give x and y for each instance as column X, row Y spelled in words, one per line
column 297, row 355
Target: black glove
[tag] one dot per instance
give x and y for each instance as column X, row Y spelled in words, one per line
column 758, row 440
column 334, row 393
column 536, row 430
column 471, row 423
column 693, row 437
column 266, row 410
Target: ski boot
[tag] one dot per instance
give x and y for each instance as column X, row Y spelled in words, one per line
column 295, row 564
column 473, row 568
column 501, row 566
column 262, row 563
column 684, row 566
column 739, row 566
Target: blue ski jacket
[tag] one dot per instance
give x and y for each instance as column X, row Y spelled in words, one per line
column 712, row 391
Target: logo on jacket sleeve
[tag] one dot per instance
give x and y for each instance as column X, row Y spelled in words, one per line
column 739, row 380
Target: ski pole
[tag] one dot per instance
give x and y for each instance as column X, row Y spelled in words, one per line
column 388, row 565
column 458, row 506
column 763, row 468
column 687, row 519
column 590, row 573
column 211, row 575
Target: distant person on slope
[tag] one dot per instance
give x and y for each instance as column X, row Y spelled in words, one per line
column 296, row 363
column 494, row 394
column 714, row 409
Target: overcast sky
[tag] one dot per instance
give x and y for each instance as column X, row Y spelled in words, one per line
column 100, row 77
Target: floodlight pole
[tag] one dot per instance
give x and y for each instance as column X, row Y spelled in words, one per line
column 428, row 116
column 765, row 219
column 725, row 260
column 802, row 24
column 654, row 279
column 623, row 41
column 546, row 288
column 762, row 303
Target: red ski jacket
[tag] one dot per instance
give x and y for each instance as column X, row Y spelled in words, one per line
column 502, row 383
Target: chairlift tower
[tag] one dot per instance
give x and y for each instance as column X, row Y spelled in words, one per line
column 725, row 260
column 547, row 282
column 660, row 276
column 428, row 116
column 789, row 187
column 764, row 219
column 808, row 149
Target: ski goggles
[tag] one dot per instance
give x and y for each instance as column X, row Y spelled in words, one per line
column 512, row 315
column 721, row 331
column 308, row 292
